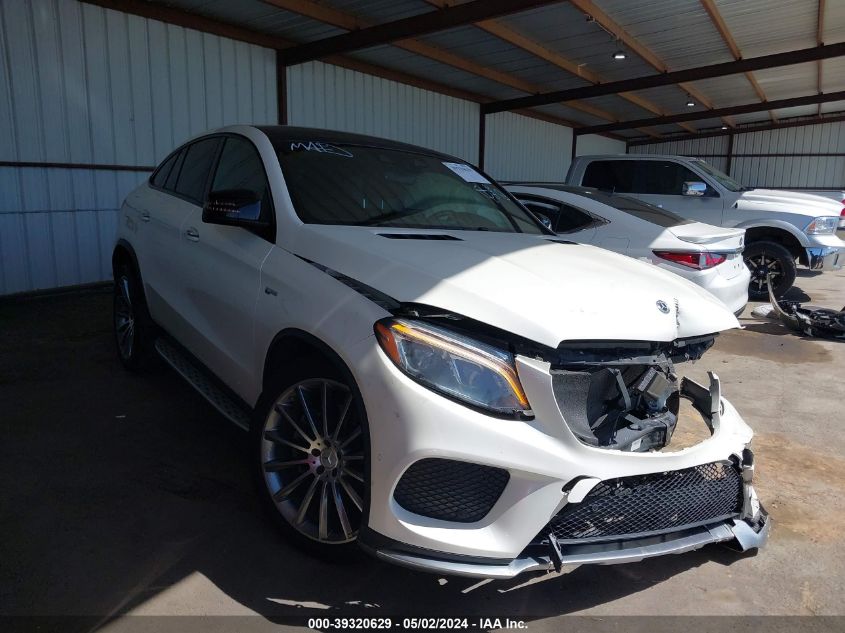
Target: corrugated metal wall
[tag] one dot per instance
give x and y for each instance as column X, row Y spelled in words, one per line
column 595, row 144
column 82, row 84
column 714, row 149
column 812, row 169
column 517, row 147
column 792, row 171
column 322, row 95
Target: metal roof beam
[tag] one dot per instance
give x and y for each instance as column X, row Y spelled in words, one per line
column 343, row 20
column 504, row 32
column 405, row 28
column 611, row 26
column 719, row 22
column 707, row 114
column 820, row 41
column 675, row 77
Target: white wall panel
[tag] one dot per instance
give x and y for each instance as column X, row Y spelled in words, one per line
column 325, row 96
column 82, row 84
column 523, row 148
column 782, row 172
column 690, row 147
column 591, row 144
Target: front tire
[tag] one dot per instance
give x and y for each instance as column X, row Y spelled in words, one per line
column 766, row 258
column 134, row 332
column 310, row 442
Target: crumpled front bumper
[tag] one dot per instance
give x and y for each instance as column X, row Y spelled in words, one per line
column 745, row 535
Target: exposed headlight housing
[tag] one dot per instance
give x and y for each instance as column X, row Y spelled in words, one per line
column 457, row 366
column 823, row 225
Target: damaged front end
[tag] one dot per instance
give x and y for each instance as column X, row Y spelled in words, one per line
column 626, row 395
column 639, row 496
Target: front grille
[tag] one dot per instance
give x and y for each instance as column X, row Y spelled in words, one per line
column 450, row 490
column 651, row 504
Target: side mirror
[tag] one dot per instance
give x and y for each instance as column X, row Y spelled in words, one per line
column 544, row 220
column 694, row 188
column 234, row 207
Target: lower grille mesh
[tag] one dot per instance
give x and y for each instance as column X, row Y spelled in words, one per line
column 450, row 490
column 651, row 504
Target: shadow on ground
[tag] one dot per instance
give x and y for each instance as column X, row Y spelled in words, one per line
column 121, row 486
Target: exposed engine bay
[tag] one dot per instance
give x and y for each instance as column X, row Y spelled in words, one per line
column 625, row 396
column 621, row 395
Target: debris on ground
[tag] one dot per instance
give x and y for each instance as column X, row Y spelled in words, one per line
column 808, row 320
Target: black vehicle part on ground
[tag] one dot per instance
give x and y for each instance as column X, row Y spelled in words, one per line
column 809, row 320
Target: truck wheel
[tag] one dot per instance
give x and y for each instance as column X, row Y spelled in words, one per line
column 769, row 258
column 134, row 330
column 310, row 438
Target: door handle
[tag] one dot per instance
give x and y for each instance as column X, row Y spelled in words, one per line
column 192, row 234
column 145, row 216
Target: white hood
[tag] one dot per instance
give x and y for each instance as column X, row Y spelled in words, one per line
column 544, row 291
column 788, row 201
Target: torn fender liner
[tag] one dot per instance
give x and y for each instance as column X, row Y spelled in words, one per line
column 809, row 320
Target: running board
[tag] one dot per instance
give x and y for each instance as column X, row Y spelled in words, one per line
column 201, row 381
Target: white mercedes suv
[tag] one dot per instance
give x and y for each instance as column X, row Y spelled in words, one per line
column 425, row 370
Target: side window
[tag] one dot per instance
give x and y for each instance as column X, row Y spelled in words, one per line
column 160, row 176
column 572, row 220
column 611, row 175
column 661, row 177
column 196, row 166
column 170, row 183
column 240, row 167
column 564, row 218
column 544, row 211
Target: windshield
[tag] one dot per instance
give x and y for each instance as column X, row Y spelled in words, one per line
column 726, row 181
column 637, row 208
column 372, row 186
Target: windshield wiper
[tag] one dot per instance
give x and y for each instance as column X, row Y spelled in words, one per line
column 387, row 217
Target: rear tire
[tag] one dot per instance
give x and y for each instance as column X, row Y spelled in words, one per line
column 310, row 445
column 133, row 327
column 764, row 258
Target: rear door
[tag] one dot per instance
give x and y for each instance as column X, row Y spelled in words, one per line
column 224, row 271
column 178, row 196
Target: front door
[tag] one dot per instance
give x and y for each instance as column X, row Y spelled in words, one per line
column 223, row 283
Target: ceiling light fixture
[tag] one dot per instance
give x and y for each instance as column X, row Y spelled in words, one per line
column 690, row 103
column 724, row 127
column 620, row 54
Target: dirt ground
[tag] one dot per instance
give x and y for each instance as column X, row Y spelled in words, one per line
column 123, row 495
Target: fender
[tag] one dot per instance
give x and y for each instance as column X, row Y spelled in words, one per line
column 124, row 244
column 308, row 339
column 775, row 224
column 333, row 357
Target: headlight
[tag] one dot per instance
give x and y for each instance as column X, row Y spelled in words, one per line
column 475, row 373
column 822, row 226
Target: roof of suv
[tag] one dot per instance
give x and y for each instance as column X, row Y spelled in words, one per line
column 281, row 134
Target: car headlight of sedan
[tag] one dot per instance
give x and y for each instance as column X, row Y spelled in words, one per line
column 822, row 226
column 457, row 366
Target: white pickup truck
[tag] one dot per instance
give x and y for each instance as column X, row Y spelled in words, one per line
column 783, row 228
